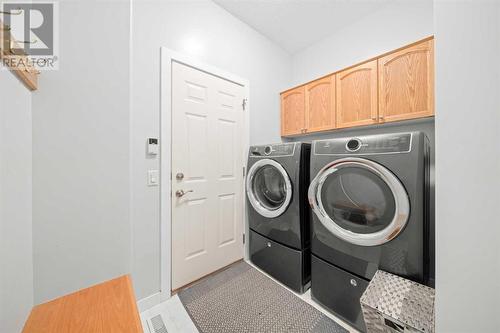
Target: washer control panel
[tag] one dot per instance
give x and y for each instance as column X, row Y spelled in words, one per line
column 282, row 149
column 370, row 144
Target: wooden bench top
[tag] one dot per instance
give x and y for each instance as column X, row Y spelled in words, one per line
column 108, row 307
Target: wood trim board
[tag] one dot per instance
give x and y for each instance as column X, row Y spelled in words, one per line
column 108, row 307
column 27, row 74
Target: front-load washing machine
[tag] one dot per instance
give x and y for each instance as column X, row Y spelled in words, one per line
column 278, row 213
column 370, row 201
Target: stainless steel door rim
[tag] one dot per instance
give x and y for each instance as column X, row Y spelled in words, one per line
column 256, row 204
column 402, row 204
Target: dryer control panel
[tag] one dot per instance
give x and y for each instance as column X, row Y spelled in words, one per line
column 282, row 149
column 363, row 145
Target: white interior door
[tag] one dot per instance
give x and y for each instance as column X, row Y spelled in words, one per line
column 207, row 176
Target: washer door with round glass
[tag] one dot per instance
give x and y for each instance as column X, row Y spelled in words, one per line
column 269, row 188
column 359, row 201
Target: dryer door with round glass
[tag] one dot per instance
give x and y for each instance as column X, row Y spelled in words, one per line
column 359, row 201
column 268, row 188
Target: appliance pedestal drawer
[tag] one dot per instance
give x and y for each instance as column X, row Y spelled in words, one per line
column 338, row 291
column 287, row 265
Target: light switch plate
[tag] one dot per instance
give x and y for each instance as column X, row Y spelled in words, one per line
column 153, row 178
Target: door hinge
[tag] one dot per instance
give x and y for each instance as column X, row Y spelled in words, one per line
column 243, row 238
column 244, row 104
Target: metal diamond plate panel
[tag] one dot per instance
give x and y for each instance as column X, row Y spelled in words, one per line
column 394, row 304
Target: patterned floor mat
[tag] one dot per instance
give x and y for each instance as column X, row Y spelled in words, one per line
column 242, row 299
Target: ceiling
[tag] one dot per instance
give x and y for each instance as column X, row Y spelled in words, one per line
column 296, row 24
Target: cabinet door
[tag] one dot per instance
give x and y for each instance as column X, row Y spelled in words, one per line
column 293, row 112
column 406, row 86
column 320, row 104
column 357, row 96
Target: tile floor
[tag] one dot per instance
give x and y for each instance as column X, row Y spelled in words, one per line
column 174, row 315
column 177, row 320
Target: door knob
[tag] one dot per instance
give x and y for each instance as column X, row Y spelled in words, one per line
column 181, row 193
column 179, row 176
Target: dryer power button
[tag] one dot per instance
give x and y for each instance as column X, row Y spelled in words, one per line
column 353, row 145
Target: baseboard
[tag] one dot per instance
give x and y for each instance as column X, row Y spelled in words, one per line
column 148, row 302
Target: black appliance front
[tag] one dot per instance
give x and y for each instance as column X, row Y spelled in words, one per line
column 338, row 290
column 369, row 201
column 276, row 186
column 287, row 265
column 370, row 210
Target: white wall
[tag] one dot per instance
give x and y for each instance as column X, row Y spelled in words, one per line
column 16, row 252
column 81, row 222
column 205, row 31
column 467, row 166
column 389, row 28
column 392, row 26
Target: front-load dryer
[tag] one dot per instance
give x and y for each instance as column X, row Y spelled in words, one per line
column 278, row 213
column 370, row 210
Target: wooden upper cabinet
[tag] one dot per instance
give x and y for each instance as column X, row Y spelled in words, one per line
column 293, row 111
column 357, row 95
column 406, row 83
column 395, row 86
column 320, row 104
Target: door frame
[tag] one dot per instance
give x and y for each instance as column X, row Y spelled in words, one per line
column 167, row 58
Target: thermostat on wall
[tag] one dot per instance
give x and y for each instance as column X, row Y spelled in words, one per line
column 152, row 146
